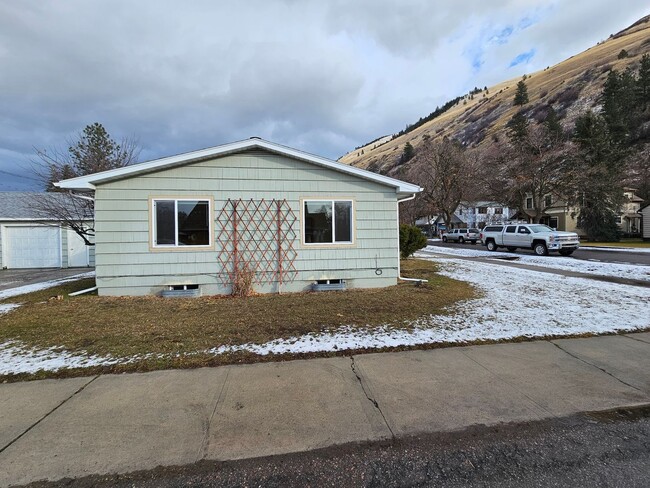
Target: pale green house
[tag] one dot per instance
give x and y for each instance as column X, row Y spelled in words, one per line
column 197, row 222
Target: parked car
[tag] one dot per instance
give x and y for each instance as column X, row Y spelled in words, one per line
column 540, row 238
column 461, row 235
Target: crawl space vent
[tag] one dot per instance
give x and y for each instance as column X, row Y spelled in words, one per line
column 181, row 291
column 328, row 285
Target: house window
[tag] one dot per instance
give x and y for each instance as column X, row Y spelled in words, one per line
column 498, row 211
column 327, row 222
column 482, row 210
column 181, row 223
column 529, row 202
column 548, row 201
column 619, row 219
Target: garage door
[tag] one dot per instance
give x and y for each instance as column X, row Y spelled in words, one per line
column 32, row 247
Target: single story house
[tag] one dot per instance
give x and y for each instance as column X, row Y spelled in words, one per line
column 203, row 220
column 27, row 240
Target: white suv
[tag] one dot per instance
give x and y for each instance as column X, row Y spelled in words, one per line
column 461, row 235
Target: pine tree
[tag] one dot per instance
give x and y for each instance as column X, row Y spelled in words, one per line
column 552, row 125
column 521, row 97
column 518, row 129
column 643, row 82
column 407, row 153
column 597, row 178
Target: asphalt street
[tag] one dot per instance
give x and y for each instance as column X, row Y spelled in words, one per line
column 620, row 257
column 603, row 449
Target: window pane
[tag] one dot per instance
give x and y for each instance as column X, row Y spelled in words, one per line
column 343, row 224
column 318, row 222
column 165, row 222
column 193, row 223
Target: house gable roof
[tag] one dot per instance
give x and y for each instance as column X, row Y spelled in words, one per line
column 88, row 182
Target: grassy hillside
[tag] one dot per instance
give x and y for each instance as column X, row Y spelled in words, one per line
column 572, row 86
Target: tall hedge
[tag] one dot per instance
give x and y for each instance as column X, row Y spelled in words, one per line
column 411, row 239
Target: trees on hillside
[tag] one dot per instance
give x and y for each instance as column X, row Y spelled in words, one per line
column 92, row 151
column 521, row 95
column 525, row 170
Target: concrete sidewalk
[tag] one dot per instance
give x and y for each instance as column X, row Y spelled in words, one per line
column 53, row 429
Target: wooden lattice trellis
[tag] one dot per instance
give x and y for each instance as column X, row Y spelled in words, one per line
column 260, row 235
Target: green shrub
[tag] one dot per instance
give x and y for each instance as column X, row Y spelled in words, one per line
column 411, row 239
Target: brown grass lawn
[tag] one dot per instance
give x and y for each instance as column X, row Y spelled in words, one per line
column 125, row 327
column 631, row 243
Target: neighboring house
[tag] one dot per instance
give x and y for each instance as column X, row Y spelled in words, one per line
column 629, row 219
column 645, row 222
column 29, row 241
column 201, row 220
column 480, row 214
column 560, row 216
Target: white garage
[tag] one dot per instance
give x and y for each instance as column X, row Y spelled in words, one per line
column 29, row 242
column 32, row 246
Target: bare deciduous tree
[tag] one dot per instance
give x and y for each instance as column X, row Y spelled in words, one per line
column 91, row 151
column 447, row 172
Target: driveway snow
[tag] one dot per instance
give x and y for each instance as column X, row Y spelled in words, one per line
column 21, row 290
column 515, row 302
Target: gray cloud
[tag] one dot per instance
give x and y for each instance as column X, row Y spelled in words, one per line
column 320, row 76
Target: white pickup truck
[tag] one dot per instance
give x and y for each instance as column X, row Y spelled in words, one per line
column 540, row 238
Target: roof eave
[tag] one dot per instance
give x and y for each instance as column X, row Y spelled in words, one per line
column 89, row 182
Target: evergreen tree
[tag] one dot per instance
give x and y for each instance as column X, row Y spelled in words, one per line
column 643, row 82
column 407, row 153
column 552, row 124
column 521, row 96
column 518, row 129
column 597, row 178
column 92, row 152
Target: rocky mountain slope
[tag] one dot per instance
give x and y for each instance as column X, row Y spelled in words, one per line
column 479, row 117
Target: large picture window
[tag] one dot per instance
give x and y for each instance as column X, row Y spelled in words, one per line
column 328, row 222
column 181, row 223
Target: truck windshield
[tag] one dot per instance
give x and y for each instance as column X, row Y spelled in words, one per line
column 540, row 228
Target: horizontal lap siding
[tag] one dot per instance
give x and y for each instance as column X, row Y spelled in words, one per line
column 126, row 265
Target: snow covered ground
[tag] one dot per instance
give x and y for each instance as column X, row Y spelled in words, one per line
column 556, row 262
column 21, row 290
column 515, row 302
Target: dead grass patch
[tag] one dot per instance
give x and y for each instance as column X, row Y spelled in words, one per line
column 135, row 326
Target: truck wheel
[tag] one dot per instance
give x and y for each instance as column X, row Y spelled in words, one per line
column 491, row 245
column 461, row 240
column 566, row 252
column 540, row 249
column 511, row 249
column 444, row 238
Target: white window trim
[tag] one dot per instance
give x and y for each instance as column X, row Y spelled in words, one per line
column 334, row 242
column 154, row 221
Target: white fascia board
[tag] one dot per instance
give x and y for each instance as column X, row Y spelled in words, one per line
column 88, row 182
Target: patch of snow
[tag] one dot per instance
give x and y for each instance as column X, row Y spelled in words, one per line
column 631, row 271
column 6, row 307
column 615, row 249
column 14, row 358
column 21, row 290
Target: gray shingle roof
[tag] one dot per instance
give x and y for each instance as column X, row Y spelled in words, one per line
column 19, row 204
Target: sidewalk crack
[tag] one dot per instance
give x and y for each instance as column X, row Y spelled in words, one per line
column 511, row 385
column 372, row 400
column 205, row 443
column 627, row 336
column 15, row 439
column 595, row 366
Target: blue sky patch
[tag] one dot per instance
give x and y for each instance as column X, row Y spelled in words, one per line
column 523, row 58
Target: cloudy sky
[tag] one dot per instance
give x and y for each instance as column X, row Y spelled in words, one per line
column 323, row 75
